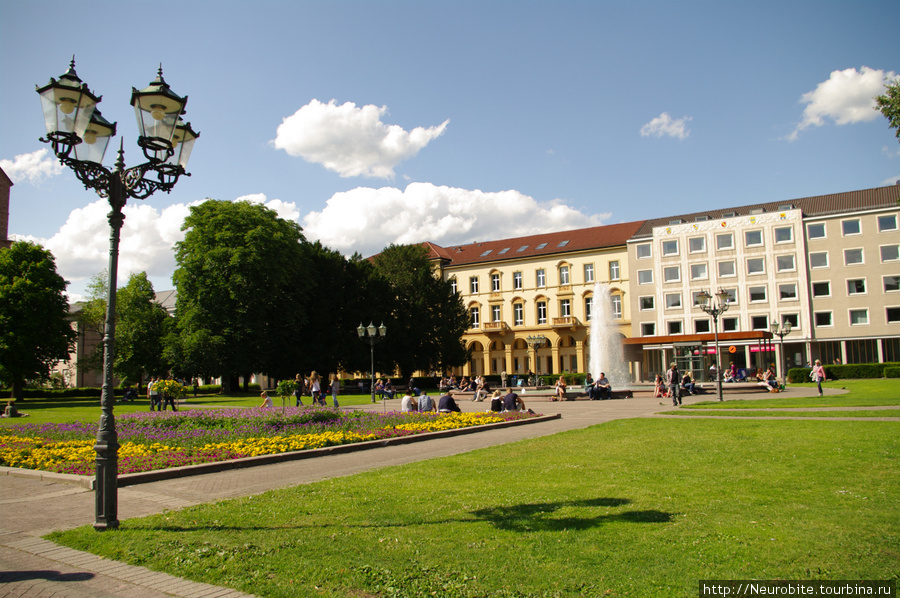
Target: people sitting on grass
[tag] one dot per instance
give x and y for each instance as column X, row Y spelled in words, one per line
column 11, row 410
column 267, row 401
column 446, row 404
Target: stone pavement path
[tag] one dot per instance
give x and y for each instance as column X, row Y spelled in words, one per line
column 32, row 507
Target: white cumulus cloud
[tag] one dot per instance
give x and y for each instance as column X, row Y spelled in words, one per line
column 33, row 167
column 147, row 241
column 665, row 125
column 366, row 220
column 847, row 97
column 351, row 140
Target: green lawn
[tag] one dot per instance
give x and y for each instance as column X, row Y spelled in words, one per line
column 639, row 507
column 861, row 393
column 784, row 413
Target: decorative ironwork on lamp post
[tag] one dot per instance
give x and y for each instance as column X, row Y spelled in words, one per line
column 781, row 332
column 375, row 335
column 536, row 341
column 79, row 136
column 715, row 310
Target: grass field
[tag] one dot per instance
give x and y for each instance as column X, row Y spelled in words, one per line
column 640, row 507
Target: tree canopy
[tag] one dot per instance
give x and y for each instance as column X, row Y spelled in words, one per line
column 889, row 105
column 35, row 332
column 141, row 326
column 239, row 273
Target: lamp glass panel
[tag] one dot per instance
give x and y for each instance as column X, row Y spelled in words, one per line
column 66, row 109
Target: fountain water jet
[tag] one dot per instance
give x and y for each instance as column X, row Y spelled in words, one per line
column 605, row 344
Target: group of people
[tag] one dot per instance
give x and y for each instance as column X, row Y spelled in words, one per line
column 313, row 386
column 599, row 389
column 674, row 385
column 159, row 401
column 447, row 404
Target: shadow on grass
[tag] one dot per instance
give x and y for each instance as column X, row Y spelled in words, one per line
column 541, row 516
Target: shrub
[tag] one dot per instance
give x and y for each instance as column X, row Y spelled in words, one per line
column 892, row 372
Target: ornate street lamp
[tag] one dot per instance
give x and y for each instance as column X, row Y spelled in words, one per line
column 781, row 332
column 74, row 125
column 373, row 338
column 535, row 342
column 715, row 310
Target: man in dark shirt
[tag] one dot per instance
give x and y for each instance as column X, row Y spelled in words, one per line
column 446, row 404
column 512, row 402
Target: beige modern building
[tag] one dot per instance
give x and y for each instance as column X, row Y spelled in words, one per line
column 828, row 265
column 530, row 298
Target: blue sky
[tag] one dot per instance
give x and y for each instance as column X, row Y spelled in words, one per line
column 401, row 121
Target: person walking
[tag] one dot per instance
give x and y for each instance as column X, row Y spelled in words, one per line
column 299, row 389
column 315, row 387
column 335, row 389
column 153, row 394
column 673, row 381
column 818, row 375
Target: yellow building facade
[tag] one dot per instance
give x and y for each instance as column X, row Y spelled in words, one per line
column 530, row 298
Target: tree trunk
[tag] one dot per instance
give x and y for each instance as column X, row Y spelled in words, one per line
column 18, row 388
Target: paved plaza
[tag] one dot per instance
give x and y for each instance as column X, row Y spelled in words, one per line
column 35, row 505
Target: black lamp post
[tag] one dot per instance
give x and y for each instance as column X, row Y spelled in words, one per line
column 373, row 338
column 715, row 310
column 781, row 332
column 75, row 125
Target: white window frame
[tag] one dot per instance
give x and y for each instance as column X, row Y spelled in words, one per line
column 453, row 285
column 671, row 323
column 720, row 237
column 896, row 249
column 540, row 278
column 884, row 230
column 780, row 229
column 473, row 285
column 865, row 285
column 696, row 274
column 697, row 326
column 726, row 274
column 747, row 242
column 616, row 301
column 830, row 323
column 754, row 260
column 648, row 328
column 884, row 283
column 517, row 281
column 816, row 224
column 652, row 306
column 763, row 317
column 861, row 310
column 791, row 268
column 614, row 270
column 887, row 317
column 495, row 282
column 725, row 321
column 765, row 290
column 862, row 257
column 813, row 266
column 844, row 224
column 588, row 273
column 645, row 248
column 519, row 313
column 496, row 313
column 674, row 305
column 565, row 308
column 642, row 276
column 667, row 245
column 541, row 312
column 701, row 249
column 813, row 288
column 668, row 270
column 474, row 317
column 783, row 287
column 564, row 276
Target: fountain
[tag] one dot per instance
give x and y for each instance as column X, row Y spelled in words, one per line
column 605, row 343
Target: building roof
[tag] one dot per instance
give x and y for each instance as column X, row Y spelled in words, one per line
column 820, row 205
column 554, row 243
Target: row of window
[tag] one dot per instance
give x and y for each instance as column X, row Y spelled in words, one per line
column 540, row 278
column 821, row 319
column 856, row 286
column 755, row 237
column 786, row 292
column 565, row 311
column 727, row 268
column 854, row 257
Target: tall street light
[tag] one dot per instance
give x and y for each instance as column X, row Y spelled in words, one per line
column 781, row 332
column 373, row 338
column 536, row 341
column 715, row 310
column 79, row 135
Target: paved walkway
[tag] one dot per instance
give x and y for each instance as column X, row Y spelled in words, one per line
column 32, row 567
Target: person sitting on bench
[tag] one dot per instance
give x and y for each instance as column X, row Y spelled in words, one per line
column 603, row 386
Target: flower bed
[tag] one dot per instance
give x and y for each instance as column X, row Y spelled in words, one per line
column 158, row 440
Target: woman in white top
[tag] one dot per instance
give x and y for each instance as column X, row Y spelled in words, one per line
column 315, row 387
column 267, row 401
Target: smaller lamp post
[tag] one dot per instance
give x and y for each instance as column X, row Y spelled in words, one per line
column 372, row 335
column 715, row 310
column 536, row 341
column 781, row 332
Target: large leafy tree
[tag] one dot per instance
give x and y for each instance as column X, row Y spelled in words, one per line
column 239, row 279
column 92, row 318
column 889, row 105
column 34, row 329
column 141, row 326
column 427, row 319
